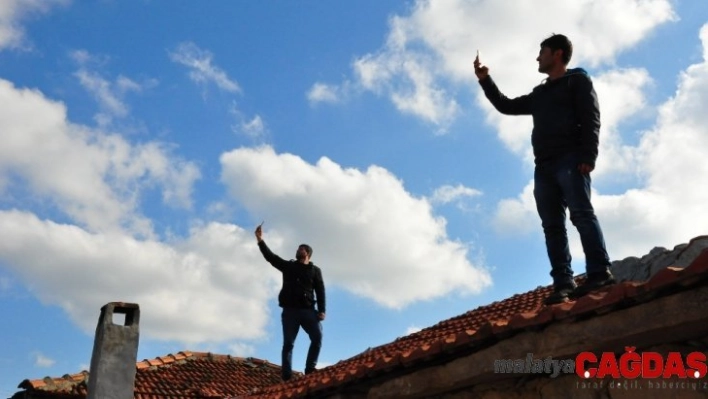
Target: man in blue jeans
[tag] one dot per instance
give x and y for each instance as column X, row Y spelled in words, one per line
column 302, row 280
column 565, row 139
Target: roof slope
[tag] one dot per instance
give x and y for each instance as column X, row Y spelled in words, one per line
column 478, row 328
column 181, row 376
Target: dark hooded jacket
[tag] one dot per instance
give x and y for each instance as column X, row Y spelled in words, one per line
column 300, row 282
column 566, row 115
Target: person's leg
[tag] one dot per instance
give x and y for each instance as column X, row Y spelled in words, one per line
column 312, row 326
column 577, row 192
column 291, row 326
column 551, row 209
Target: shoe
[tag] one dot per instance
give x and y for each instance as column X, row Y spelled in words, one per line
column 560, row 294
column 310, row 371
column 593, row 282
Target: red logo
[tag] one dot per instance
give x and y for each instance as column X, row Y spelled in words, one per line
column 632, row 365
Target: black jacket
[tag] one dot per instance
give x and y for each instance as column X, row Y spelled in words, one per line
column 566, row 115
column 299, row 282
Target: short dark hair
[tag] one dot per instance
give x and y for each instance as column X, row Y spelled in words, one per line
column 307, row 248
column 559, row 42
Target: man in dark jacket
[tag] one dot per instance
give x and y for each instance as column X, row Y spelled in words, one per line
column 302, row 288
column 565, row 139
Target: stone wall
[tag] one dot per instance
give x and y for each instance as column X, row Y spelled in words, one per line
column 641, row 269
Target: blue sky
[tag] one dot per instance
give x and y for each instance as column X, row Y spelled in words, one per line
column 143, row 141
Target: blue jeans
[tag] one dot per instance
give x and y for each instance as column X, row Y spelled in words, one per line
column 293, row 319
column 558, row 184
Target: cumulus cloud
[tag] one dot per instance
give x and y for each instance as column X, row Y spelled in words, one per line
column 12, row 12
column 428, row 52
column 517, row 215
column 410, row 82
column 215, row 278
column 93, row 177
column 370, row 235
column 100, row 249
column 104, row 250
column 667, row 204
column 621, row 96
column 201, row 69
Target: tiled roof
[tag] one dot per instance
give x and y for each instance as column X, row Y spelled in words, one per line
column 181, row 376
column 478, row 328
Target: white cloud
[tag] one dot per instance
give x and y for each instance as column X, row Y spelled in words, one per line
column 241, row 350
column 12, row 12
column 253, row 128
column 428, row 53
column 369, row 235
column 101, row 90
column 215, row 278
column 621, row 96
column 321, row 92
column 410, row 83
column 109, row 95
column 517, row 215
column 93, row 177
column 412, row 329
column 202, row 70
column 40, row 360
column 447, row 193
column 667, row 206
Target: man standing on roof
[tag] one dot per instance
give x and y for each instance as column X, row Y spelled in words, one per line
column 302, row 288
column 565, row 139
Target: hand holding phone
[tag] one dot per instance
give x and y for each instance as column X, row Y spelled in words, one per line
column 480, row 70
column 259, row 231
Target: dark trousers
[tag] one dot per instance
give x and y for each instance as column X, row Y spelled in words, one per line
column 558, row 185
column 293, row 319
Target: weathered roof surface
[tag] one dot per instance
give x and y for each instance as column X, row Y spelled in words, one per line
column 183, row 375
column 498, row 321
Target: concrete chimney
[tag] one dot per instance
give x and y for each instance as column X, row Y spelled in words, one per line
column 115, row 351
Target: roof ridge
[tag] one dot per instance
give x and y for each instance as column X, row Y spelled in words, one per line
column 217, row 356
column 193, row 355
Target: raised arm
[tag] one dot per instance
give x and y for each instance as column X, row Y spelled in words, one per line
column 505, row 105
column 275, row 260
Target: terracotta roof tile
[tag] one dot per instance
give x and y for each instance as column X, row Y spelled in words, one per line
column 663, row 278
column 633, row 289
column 496, row 321
column 699, row 266
column 181, row 376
